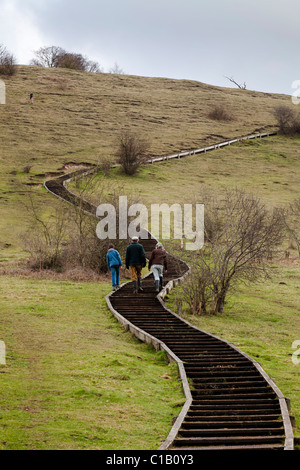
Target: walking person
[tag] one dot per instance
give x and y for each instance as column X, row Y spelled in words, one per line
column 135, row 260
column 158, row 261
column 114, row 264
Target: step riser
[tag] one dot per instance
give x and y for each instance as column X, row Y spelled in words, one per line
column 246, row 440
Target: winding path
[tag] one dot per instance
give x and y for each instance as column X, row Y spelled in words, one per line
column 232, row 403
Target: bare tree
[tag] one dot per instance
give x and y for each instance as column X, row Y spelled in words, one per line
column 85, row 249
column 92, row 66
column 240, row 238
column 57, row 57
column 131, row 152
column 116, row 69
column 46, row 236
column 66, row 237
column 47, row 56
column 239, row 85
column 7, row 62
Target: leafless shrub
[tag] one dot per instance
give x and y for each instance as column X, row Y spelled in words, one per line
column 92, row 66
column 220, row 113
column 46, row 237
column 27, row 168
column 288, row 120
column 291, row 219
column 240, row 242
column 66, row 239
column 84, row 248
column 7, row 62
column 131, row 152
column 197, row 293
column 105, row 166
column 116, row 69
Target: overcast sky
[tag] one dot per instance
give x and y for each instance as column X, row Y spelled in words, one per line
column 253, row 41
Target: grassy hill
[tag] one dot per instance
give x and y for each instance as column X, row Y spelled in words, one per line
column 75, row 120
column 77, row 117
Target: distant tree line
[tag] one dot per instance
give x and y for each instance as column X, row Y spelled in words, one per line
column 57, row 57
column 54, row 57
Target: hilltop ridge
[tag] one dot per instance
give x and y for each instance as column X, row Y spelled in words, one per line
column 78, row 115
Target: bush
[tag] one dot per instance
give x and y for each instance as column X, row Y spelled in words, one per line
column 288, row 120
column 56, row 57
column 243, row 234
column 7, row 62
column 220, row 113
column 66, row 237
column 131, row 152
column 68, row 60
column 291, row 218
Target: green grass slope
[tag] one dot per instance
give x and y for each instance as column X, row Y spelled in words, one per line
column 73, row 378
column 268, row 167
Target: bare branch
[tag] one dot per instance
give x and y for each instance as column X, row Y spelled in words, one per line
column 240, row 237
column 241, row 86
column 7, row 62
column 131, row 152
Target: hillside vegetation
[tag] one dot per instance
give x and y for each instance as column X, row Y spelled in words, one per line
column 74, row 121
column 76, row 118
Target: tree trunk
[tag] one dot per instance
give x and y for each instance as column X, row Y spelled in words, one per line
column 219, row 303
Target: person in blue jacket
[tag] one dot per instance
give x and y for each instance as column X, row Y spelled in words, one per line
column 114, row 264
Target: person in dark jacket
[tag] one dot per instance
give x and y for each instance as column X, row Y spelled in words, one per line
column 114, row 264
column 158, row 261
column 135, row 260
